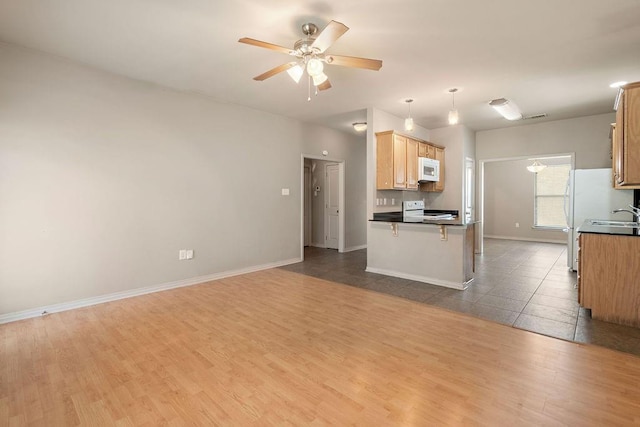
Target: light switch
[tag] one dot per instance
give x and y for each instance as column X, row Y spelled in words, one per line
column 285, row 191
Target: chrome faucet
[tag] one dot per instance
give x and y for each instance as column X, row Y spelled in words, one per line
column 632, row 210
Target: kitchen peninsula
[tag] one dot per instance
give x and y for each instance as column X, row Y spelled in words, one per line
column 428, row 249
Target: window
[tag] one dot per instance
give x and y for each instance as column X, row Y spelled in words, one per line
column 550, row 185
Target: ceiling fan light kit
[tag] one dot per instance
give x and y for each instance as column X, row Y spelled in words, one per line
column 296, row 73
column 508, row 109
column 310, row 52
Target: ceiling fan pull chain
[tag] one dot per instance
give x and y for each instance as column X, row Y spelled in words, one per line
column 309, row 89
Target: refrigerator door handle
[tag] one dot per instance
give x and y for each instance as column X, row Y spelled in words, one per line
column 565, row 202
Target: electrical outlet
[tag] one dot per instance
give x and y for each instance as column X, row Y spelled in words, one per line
column 285, row 191
column 189, row 253
column 517, row 225
column 182, row 254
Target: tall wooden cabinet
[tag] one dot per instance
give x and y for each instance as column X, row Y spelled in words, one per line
column 397, row 162
column 625, row 138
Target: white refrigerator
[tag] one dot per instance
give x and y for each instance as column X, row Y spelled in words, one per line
column 590, row 195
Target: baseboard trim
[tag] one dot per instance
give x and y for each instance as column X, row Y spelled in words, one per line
column 86, row 302
column 424, row 279
column 354, row 248
column 525, row 239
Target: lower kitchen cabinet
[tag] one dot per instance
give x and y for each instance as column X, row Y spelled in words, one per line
column 609, row 277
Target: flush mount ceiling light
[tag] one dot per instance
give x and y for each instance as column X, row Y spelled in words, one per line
column 536, row 167
column 360, row 126
column 408, row 122
column 508, row 109
column 453, row 113
column 311, row 56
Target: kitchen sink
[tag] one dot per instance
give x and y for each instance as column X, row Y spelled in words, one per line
column 612, row 223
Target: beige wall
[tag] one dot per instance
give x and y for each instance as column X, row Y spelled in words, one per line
column 103, row 179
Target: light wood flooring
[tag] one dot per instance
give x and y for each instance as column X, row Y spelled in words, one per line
column 281, row 348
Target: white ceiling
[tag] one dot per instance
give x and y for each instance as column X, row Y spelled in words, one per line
column 548, row 56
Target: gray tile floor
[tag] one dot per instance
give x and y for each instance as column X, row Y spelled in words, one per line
column 523, row 284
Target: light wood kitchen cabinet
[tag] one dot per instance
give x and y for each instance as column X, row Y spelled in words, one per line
column 427, row 150
column 626, row 139
column 397, row 162
column 412, row 164
column 608, row 268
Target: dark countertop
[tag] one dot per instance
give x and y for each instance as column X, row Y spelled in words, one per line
column 586, row 227
column 397, row 217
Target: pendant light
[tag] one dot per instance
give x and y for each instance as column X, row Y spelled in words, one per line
column 453, row 113
column 408, row 122
column 536, row 166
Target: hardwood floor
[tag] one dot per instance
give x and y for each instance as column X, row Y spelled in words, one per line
column 278, row 347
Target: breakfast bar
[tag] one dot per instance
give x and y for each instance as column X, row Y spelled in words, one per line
column 437, row 248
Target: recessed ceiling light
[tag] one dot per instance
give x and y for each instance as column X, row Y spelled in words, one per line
column 617, row 84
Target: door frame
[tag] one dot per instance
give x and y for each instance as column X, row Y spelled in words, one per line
column 341, row 198
column 327, row 222
column 480, row 186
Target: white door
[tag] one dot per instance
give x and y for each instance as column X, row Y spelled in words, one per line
column 331, row 200
column 307, row 205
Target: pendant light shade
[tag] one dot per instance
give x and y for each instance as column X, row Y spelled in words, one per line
column 453, row 117
column 453, row 113
column 536, row 167
column 408, row 122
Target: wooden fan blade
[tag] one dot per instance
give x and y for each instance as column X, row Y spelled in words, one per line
column 272, row 72
column 329, row 35
column 352, row 61
column 266, row 45
column 324, row 86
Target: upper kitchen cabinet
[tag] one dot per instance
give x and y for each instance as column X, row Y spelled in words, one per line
column 397, row 162
column 626, row 138
column 436, row 186
column 427, row 150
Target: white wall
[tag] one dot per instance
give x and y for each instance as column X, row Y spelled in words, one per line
column 103, row 179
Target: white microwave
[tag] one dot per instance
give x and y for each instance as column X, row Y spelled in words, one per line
column 428, row 169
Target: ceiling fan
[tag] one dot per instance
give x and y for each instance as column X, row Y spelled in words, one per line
column 311, row 56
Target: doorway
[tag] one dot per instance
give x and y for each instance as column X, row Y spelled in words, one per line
column 322, row 203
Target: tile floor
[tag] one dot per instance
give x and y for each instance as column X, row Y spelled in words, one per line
column 523, row 284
